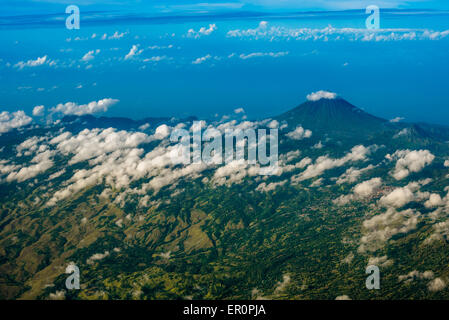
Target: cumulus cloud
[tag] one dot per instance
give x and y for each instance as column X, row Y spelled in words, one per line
column 38, row 111
column 343, row 297
column 33, row 63
column 264, row 187
column 352, row 174
column 382, row 227
column 90, row 55
column 200, row 60
column 203, row 31
column 315, row 96
column 69, row 108
column 380, row 261
column 397, row 198
column 330, row 33
column 434, row 201
column 397, row 119
column 299, row 133
column 323, row 163
column 40, row 162
column 97, row 257
column 116, row 158
column 133, row 52
column 436, row 284
column 10, row 121
column 416, row 275
column 366, row 188
column 408, row 161
column 360, row 191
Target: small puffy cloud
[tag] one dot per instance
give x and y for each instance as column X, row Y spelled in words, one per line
column 382, row 227
column 352, row 174
column 436, row 284
column 380, row 261
column 97, row 257
column 343, row 297
column 33, row 63
column 299, row 133
column 90, row 108
column 446, row 163
column 413, row 275
column 315, row 96
column 41, row 161
column 134, row 51
column 360, row 191
column 90, row 55
column 10, row 121
column 409, row 161
column 264, row 187
column 38, row 111
column 117, row 35
column 162, row 132
column 200, row 60
column 58, row 295
column 397, row 198
column 273, row 124
column 281, row 285
column 239, row 110
column 397, row 119
column 323, row 163
column 366, row 188
column 434, row 201
column 203, row 31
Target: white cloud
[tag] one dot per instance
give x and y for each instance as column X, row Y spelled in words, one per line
column 33, row 63
column 380, row 228
column 203, row 31
column 299, row 133
column 409, row 161
column 133, row 52
column 315, row 96
column 97, row 257
column 263, row 54
column 276, row 33
column 90, row 55
column 366, row 188
column 90, row 108
column 380, row 261
column 397, row 119
column 360, row 191
column 239, row 110
column 352, row 174
column 38, row 111
column 343, row 297
column 264, row 187
column 202, row 59
column 397, row 198
column 436, row 284
column 434, row 201
column 323, row 163
column 10, row 121
column 117, row 35
column 412, row 275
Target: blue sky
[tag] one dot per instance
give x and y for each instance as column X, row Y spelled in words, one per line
column 208, row 63
column 177, row 6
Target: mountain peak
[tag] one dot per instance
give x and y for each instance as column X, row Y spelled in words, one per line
column 330, row 115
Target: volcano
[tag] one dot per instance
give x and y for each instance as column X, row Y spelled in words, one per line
column 329, row 116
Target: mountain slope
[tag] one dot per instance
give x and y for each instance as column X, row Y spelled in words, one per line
column 334, row 116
